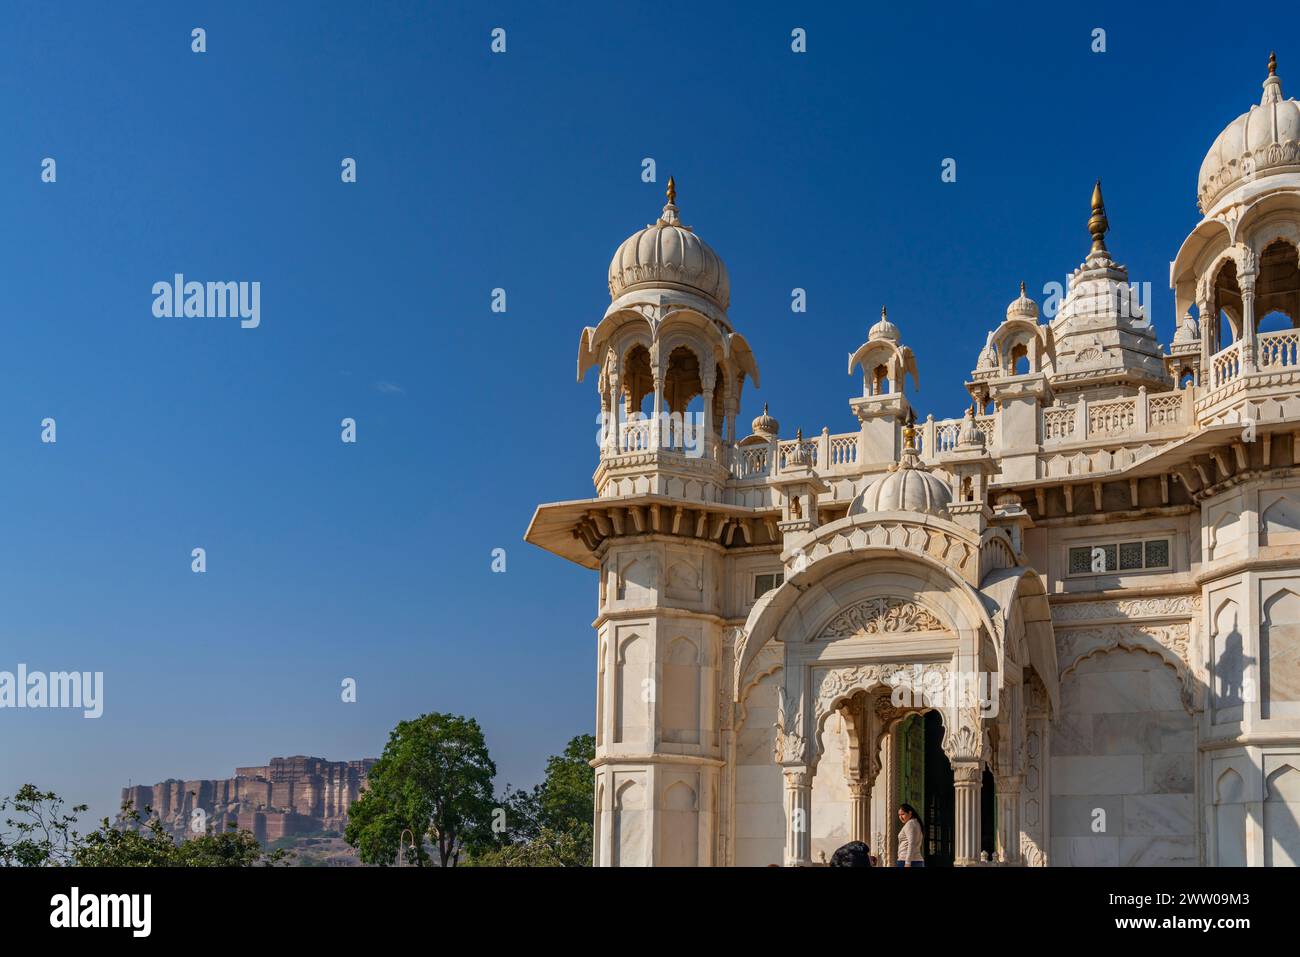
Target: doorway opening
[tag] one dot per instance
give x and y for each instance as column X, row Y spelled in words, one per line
column 925, row 782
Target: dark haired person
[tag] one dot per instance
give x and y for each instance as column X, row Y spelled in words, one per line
column 911, row 839
column 853, row 854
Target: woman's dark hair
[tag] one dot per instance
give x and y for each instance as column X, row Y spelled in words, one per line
column 912, row 811
column 852, row 854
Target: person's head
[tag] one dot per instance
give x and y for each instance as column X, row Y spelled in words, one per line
column 906, row 812
column 852, row 854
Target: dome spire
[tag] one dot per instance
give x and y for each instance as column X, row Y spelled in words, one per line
column 1272, row 85
column 1098, row 223
column 909, row 436
column 669, row 216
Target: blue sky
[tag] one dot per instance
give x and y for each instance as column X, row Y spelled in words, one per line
column 476, row 171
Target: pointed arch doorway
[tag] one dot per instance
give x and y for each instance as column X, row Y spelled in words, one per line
column 925, row 781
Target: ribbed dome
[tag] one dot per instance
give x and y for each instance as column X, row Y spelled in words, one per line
column 907, row 487
column 1262, row 141
column 883, row 329
column 1023, row 307
column 765, row 424
column 667, row 253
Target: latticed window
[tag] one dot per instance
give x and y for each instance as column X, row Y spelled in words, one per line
column 1103, row 557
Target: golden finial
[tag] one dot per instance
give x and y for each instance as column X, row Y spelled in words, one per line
column 765, row 408
column 882, row 312
column 1022, row 289
column 1098, row 223
column 672, row 191
column 1272, row 64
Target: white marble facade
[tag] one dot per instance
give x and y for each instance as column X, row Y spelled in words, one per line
column 1082, row 595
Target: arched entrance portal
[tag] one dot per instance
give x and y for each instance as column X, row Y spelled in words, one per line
column 871, row 638
column 911, row 767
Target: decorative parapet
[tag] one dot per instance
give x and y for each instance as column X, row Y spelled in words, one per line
column 938, row 437
column 1128, row 419
column 1274, row 352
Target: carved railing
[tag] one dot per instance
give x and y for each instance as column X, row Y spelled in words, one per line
column 1225, row 366
column 843, row 449
column 751, row 461
column 945, row 436
column 1116, row 417
column 1059, row 423
column 1278, row 349
column 636, row 437
column 786, row 449
column 948, row 431
column 1130, row 418
column 1165, row 410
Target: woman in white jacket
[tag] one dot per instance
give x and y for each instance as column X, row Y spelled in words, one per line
column 911, row 839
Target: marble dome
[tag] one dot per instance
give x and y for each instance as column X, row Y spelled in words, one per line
column 1262, row 141
column 883, row 329
column 1022, row 307
column 666, row 253
column 907, row 487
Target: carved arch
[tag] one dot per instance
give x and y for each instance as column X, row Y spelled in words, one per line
column 1135, row 639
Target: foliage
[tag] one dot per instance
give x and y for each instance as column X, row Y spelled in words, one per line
column 551, row 825
column 44, row 837
column 434, row 781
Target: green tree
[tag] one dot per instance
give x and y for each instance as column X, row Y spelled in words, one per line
column 551, row 825
column 434, row 780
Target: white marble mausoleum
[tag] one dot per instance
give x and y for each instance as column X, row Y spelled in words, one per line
column 1065, row 625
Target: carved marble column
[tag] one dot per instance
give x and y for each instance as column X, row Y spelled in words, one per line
column 1209, row 336
column 705, row 434
column 1246, row 282
column 798, row 817
column 1248, row 355
column 656, row 436
column 613, row 435
column 891, row 796
column 860, row 812
column 1008, row 788
column 966, row 782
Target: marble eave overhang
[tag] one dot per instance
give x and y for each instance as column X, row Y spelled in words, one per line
column 554, row 525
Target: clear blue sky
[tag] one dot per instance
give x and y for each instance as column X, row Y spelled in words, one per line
column 476, row 170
